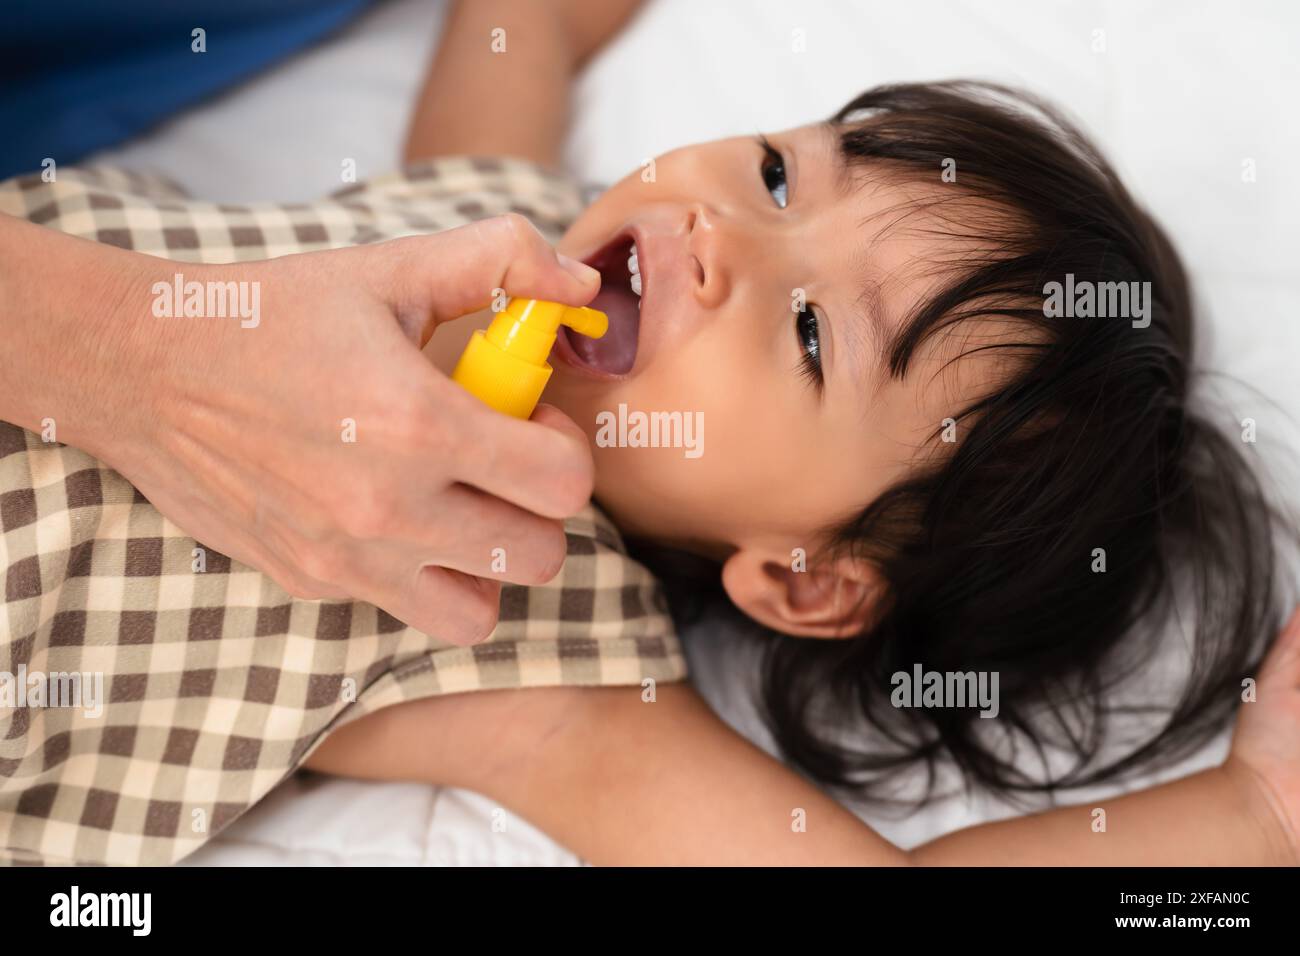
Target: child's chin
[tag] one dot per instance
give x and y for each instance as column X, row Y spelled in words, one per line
column 577, row 396
column 612, row 498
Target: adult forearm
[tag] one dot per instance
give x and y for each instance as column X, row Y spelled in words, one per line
column 72, row 355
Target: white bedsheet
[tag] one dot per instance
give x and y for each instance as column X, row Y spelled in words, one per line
column 1182, row 95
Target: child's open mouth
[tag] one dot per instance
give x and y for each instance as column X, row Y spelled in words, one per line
column 620, row 299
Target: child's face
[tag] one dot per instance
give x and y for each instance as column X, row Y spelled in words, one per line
column 721, row 262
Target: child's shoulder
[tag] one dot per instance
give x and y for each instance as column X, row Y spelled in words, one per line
column 602, row 594
column 152, row 214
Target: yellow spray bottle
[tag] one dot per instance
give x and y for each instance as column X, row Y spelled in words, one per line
column 506, row 365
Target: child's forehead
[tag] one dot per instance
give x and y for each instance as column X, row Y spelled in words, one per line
column 893, row 190
column 896, row 237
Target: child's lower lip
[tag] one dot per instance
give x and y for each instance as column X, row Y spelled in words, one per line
column 568, row 355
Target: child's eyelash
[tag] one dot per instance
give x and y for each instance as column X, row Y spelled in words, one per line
column 772, row 172
column 810, row 372
column 810, row 364
column 810, row 354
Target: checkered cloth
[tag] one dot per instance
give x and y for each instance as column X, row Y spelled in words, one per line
column 217, row 684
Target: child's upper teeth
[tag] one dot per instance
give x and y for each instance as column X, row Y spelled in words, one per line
column 634, row 267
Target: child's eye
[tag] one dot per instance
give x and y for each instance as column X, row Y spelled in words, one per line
column 772, row 169
column 806, row 330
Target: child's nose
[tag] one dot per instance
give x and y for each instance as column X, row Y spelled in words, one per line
column 707, row 255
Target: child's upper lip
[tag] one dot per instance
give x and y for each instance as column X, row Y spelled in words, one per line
column 629, row 231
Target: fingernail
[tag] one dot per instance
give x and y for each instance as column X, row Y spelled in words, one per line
column 579, row 270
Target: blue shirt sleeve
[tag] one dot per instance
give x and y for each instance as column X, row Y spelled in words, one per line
column 81, row 75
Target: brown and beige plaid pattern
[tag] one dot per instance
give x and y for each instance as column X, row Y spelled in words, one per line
column 216, row 683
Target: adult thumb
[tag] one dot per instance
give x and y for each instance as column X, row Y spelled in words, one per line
column 461, row 271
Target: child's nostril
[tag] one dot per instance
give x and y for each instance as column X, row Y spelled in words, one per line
column 699, row 270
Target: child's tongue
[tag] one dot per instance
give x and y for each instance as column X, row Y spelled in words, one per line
column 615, row 351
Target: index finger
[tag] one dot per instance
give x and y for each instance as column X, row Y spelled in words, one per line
column 454, row 273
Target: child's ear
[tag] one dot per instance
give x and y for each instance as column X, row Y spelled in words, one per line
column 832, row 599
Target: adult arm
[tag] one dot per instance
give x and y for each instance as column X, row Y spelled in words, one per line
column 309, row 438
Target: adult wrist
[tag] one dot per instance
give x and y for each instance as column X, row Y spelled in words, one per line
column 74, row 331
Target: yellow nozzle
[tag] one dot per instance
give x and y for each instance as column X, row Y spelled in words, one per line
column 506, row 366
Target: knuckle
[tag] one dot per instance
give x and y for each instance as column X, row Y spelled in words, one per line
column 322, row 564
column 353, row 519
column 297, row 586
column 574, row 485
column 523, row 235
column 367, row 516
column 483, row 458
column 413, row 423
column 553, row 549
column 436, row 426
column 519, row 227
column 478, row 616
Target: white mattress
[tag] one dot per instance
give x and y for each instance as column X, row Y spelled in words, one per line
column 1182, row 95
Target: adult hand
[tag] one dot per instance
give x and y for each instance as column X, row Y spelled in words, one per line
column 313, row 440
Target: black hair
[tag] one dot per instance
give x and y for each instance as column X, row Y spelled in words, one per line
column 989, row 552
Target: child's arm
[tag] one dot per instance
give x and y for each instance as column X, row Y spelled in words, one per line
column 1216, row 817
column 1243, row 813
column 499, row 82
column 620, row 781
column 616, row 780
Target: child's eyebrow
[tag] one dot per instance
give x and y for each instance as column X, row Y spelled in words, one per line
column 866, row 325
column 867, row 329
column 872, row 312
column 840, row 167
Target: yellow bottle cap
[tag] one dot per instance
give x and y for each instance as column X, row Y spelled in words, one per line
column 506, row 366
